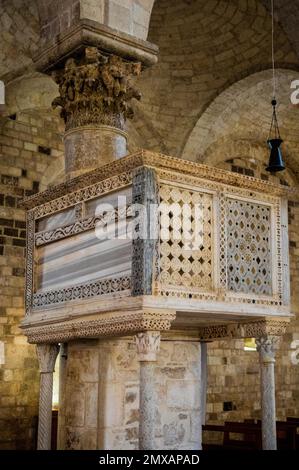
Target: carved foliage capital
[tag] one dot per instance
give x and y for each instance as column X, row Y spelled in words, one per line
column 47, row 354
column 267, row 346
column 148, row 344
column 96, row 89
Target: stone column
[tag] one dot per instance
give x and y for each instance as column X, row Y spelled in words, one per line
column 148, row 344
column 266, row 346
column 95, row 91
column 47, row 354
column 62, row 380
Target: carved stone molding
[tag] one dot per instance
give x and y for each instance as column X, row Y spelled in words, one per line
column 48, row 236
column 89, row 32
column 111, row 324
column 96, row 89
column 114, row 285
column 30, row 222
column 148, row 344
column 167, row 167
column 47, row 354
column 253, row 329
column 144, row 244
column 91, row 191
column 267, row 346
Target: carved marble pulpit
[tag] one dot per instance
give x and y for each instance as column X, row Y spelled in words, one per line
column 154, row 246
column 151, row 242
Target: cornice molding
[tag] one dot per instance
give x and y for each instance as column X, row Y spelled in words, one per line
column 159, row 162
column 91, row 33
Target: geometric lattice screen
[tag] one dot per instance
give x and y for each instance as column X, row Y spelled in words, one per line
column 248, row 247
column 185, row 257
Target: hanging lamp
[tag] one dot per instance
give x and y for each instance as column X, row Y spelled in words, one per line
column 274, row 141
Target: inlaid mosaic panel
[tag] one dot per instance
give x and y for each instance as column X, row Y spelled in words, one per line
column 185, row 255
column 248, row 247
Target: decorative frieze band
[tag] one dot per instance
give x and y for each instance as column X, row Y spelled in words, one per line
column 255, row 329
column 42, row 238
column 163, row 164
column 29, row 261
column 90, row 192
column 84, row 291
column 145, row 239
column 111, row 324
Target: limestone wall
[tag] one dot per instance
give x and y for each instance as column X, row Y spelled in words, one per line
column 102, row 396
column 28, row 143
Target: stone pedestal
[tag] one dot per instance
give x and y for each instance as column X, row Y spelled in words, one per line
column 267, row 346
column 47, row 354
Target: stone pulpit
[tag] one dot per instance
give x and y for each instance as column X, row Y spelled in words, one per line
column 163, row 250
column 135, row 262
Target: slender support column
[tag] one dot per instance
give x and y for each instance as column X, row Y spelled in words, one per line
column 47, row 354
column 266, row 346
column 148, row 345
column 62, row 379
column 203, row 378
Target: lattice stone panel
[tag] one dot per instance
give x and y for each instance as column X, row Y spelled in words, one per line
column 185, row 260
column 248, row 247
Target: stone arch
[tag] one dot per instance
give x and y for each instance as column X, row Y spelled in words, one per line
column 29, row 92
column 243, row 113
column 247, row 157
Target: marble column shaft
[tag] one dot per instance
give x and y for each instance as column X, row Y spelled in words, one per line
column 148, row 344
column 266, row 347
column 47, row 354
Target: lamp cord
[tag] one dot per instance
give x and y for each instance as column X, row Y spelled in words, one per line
column 273, row 55
column 274, row 122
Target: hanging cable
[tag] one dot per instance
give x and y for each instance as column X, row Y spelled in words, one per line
column 274, row 124
column 273, row 52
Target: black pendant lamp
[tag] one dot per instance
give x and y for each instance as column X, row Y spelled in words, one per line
column 274, row 141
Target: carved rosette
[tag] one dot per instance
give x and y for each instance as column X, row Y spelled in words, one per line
column 267, row 347
column 96, row 90
column 148, row 344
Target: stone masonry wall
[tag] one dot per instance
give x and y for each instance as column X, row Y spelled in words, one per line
column 28, row 143
column 101, row 405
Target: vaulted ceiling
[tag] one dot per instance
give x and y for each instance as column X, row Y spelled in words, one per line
column 196, row 97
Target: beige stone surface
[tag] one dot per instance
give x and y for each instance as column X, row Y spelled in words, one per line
column 107, row 398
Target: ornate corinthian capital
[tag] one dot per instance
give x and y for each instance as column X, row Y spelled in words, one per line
column 96, row 90
column 148, row 344
column 47, row 354
column 267, row 346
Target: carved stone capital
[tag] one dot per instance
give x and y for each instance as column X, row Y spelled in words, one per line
column 96, row 90
column 47, row 354
column 267, row 346
column 148, row 344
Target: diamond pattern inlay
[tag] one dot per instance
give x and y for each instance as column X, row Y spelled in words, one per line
column 185, row 238
column 248, row 247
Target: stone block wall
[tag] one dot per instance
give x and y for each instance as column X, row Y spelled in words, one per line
column 28, row 143
column 101, row 389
